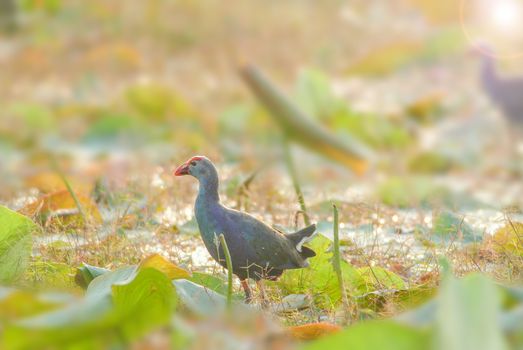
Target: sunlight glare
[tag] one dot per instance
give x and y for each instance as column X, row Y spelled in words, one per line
column 507, row 14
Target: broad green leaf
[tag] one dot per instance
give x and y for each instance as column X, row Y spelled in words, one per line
column 212, row 282
column 468, row 314
column 144, row 303
column 197, row 299
column 378, row 278
column 111, row 314
column 87, row 273
column 301, row 128
column 77, row 323
column 16, row 304
column 319, row 279
column 15, row 243
column 375, row 335
column 102, row 284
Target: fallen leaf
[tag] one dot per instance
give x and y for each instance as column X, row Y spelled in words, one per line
column 48, row 182
column 59, row 208
column 313, row 331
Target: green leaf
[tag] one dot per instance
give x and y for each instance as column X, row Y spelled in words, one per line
column 102, row 284
column 319, row 279
column 19, row 303
column 378, row 278
column 214, row 283
column 144, row 303
column 87, row 273
column 468, row 314
column 375, row 335
column 118, row 309
column 15, row 243
column 198, row 299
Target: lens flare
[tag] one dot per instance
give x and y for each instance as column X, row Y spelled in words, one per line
column 497, row 23
column 506, row 15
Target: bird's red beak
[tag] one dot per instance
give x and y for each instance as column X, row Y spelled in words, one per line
column 182, row 170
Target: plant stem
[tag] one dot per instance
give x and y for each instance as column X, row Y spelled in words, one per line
column 229, row 269
column 337, row 259
column 56, row 168
column 294, row 177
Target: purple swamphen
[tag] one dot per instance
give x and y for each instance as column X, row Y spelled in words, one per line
column 505, row 93
column 257, row 250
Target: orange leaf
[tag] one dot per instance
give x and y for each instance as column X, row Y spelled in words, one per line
column 313, row 331
column 158, row 262
column 59, row 208
column 51, row 182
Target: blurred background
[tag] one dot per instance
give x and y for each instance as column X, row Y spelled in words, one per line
column 407, row 114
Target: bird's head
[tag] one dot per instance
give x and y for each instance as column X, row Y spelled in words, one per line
column 197, row 166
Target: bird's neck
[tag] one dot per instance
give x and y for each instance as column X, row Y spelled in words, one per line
column 208, row 191
column 488, row 72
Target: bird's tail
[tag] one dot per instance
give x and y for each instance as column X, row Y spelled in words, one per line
column 301, row 237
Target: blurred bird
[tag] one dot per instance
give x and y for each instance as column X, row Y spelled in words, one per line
column 505, row 93
column 257, row 250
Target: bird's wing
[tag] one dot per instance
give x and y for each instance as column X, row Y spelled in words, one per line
column 267, row 247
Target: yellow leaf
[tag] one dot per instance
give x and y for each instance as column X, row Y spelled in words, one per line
column 59, row 208
column 313, row 331
column 509, row 239
column 158, row 262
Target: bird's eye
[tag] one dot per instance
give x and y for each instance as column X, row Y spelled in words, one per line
column 193, row 163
